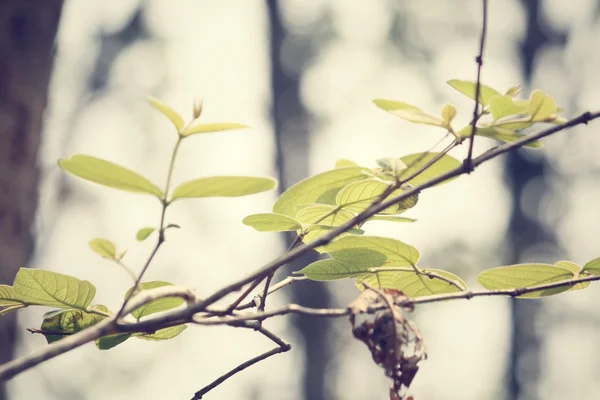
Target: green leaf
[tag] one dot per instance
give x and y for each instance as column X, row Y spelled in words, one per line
column 513, row 91
column 411, row 283
column 108, row 342
column 330, row 269
column 61, row 323
column 364, row 252
column 408, row 112
column 391, row 218
column 162, row 334
column 417, row 161
column 343, row 163
column 155, row 306
column 468, row 88
column 314, row 214
column 8, row 303
column 46, row 288
column 358, row 196
column 541, row 106
column 504, row 135
column 143, row 233
column 108, row 174
column 448, row 114
column 524, row 276
column 512, row 124
column 593, row 266
column 321, row 188
column 104, row 248
column 169, row 112
column 270, row 222
column 576, row 270
column 223, row 186
column 7, row 310
column 504, row 106
column 207, row 128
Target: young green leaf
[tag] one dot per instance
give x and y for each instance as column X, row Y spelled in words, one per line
column 108, row 174
column 411, row 283
column 468, row 89
column 448, row 114
column 321, row 188
column 162, row 334
column 331, row 269
column 8, row 302
column 372, row 251
column 315, row 214
column 143, row 233
column 418, row 161
column 391, row 218
column 408, row 112
column 270, row 222
column 593, row 266
column 46, row 288
column 576, row 270
column 512, row 124
column 358, row 196
column 60, row 323
column 159, row 305
column 513, row 91
column 502, row 134
column 110, row 341
column 169, row 112
column 223, row 186
column 504, row 106
column 343, row 163
column 541, row 106
column 208, row 128
column 525, row 276
column 104, row 248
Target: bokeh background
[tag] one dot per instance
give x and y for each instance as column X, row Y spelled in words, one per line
column 302, row 74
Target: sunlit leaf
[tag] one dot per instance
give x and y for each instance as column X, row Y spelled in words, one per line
column 541, row 106
column 169, row 112
column 504, row 106
column 8, row 302
column 363, row 252
column 408, row 112
column 331, row 269
column 391, row 218
column 321, row 188
column 61, row 323
column 143, row 233
column 315, row 214
column 504, row 135
column 418, row 161
column 104, row 248
column 9, row 309
column 109, row 174
column 46, row 288
column 215, row 127
column 411, row 283
column 513, row 91
column 270, row 222
column 108, row 342
column 358, row 196
column 525, row 276
column 343, row 163
column 468, row 88
column 155, row 306
column 223, row 186
column 575, row 269
column 162, row 334
column 593, row 266
column 512, row 124
column 448, row 114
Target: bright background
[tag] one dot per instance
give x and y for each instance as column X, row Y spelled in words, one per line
column 113, row 53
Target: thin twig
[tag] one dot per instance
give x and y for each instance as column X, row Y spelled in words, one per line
column 246, row 292
column 287, row 281
column 479, row 61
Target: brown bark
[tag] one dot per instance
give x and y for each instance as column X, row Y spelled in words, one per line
column 27, row 32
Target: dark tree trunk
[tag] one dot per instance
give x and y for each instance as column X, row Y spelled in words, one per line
column 524, row 362
column 27, row 32
column 292, row 141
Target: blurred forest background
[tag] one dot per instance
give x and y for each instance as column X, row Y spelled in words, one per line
column 302, row 73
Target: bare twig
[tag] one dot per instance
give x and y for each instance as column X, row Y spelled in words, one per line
column 287, row 281
column 479, row 60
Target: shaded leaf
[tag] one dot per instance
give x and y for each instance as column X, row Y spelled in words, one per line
column 155, row 306
column 143, row 233
column 109, row 174
column 512, row 124
column 215, row 127
column 223, row 186
column 104, row 248
column 468, row 89
column 502, row 134
column 108, row 342
column 270, row 222
column 417, row 161
column 314, row 214
column 372, row 251
column 358, row 196
column 408, row 112
column 331, row 269
column 321, row 188
column 411, row 283
column 162, row 334
column 343, row 163
column 525, row 276
column 61, row 323
column 168, row 111
column 46, row 288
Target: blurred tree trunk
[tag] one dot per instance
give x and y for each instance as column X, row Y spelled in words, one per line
column 27, row 32
column 292, row 146
column 523, row 370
